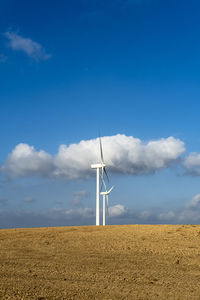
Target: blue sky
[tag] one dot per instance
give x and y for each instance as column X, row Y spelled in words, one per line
column 70, row 68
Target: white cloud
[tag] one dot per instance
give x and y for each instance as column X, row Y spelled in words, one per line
column 29, row 199
column 130, row 155
column 168, row 217
column 194, row 203
column 123, row 154
column 24, row 160
column 188, row 215
column 117, row 210
column 70, row 214
column 31, row 48
column 146, row 214
column 192, row 164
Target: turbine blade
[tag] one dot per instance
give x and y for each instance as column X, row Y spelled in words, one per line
column 101, row 186
column 101, row 150
column 111, row 189
column 106, row 174
column 102, row 183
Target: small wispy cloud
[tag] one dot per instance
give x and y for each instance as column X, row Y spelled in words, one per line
column 29, row 199
column 78, row 214
column 79, row 197
column 33, row 49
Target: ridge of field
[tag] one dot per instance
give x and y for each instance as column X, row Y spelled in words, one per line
column 111, row 262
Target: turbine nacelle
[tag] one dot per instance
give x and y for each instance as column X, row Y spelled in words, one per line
column 107, row 192
column 98, row 166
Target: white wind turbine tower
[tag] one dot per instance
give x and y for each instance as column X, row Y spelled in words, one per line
column 105, row 199
column 103, row 170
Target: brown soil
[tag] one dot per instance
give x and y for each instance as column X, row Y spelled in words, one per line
column 114, row 262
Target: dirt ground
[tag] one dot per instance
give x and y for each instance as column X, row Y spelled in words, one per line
column 112, row 262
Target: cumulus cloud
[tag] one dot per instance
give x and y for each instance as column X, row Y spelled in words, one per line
column 33, row 49
column 192, row 164
column 24, row 160
column 123, row 154
column 189, row 214
column 117, row 210
column 132, row 156
column 194, row 203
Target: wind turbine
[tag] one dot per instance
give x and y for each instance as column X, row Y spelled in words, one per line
column 103, row 170
column 105, row 199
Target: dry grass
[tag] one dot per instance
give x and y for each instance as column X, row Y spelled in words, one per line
column 114, row 262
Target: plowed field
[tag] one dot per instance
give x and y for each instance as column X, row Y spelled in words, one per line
column 112, row 262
